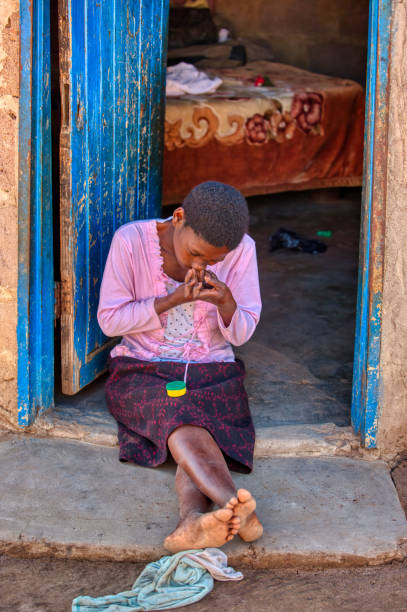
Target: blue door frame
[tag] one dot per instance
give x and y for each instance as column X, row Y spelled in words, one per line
column 35, row 294
column 366, row 392
column 35, row 288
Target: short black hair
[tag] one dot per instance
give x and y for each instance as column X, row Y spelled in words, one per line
column 218, row 213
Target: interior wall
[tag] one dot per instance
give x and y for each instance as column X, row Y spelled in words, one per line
column 326, row 36
column 392, row 434
column 9, row 99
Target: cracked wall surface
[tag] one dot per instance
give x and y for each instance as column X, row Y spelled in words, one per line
column 9, row 106
column 393, row 359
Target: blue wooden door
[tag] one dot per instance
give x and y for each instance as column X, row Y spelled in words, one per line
column 112, row 68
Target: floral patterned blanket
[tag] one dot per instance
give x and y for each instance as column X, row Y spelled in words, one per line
column 269, row 127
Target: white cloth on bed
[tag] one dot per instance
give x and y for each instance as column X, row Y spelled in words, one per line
column 184, row 78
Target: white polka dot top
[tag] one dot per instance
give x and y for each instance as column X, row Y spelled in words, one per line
column 179, row 329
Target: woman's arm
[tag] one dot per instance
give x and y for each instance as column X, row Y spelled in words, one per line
column 237, row 295
column 119, row 311
column 242, row 279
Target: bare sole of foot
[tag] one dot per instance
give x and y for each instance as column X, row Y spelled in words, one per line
column 212, row 529
column 243, row 506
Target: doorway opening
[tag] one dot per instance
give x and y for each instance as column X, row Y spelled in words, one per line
column 299, row 362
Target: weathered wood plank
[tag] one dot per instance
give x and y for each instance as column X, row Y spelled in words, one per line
column 113, row 68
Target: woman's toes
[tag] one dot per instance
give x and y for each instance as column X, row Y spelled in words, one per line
column 243, row 495
column 232, row 503
column 223, row 514
column 245, row 506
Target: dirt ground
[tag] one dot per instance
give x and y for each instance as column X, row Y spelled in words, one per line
column 307, row 321
column 47, row 585
column 50, row 585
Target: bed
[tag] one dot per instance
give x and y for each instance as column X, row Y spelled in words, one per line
column 295, row 130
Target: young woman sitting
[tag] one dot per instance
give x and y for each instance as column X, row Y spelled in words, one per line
column 181, row 292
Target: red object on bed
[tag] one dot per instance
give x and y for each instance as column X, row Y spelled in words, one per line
column 305, row 131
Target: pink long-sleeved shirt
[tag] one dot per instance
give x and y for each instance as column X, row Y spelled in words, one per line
column 134, row 277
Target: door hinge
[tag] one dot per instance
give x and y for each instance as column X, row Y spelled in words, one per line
column 57, row 299
column 62, row 299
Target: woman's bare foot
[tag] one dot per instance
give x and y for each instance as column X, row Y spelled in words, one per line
column 243, row 506
column 212, row 529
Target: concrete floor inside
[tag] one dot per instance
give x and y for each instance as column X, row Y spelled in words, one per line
column 299, row 361
column 300, row 358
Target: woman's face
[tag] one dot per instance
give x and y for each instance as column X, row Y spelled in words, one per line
column 191, row 250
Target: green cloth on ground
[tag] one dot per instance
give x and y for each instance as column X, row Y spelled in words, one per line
column 170, row 582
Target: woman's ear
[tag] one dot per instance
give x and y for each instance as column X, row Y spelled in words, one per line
column 178, row 217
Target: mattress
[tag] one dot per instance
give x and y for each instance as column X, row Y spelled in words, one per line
column 297, row 130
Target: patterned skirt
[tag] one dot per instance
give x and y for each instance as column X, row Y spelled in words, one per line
column 215, row 400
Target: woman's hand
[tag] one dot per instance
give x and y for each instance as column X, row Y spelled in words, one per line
column 192, row 289
column 219, row 294
column 188, row 291
column 207, row 287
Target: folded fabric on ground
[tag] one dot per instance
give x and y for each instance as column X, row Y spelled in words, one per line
column 216, row 562
column 171, row 582
column 184, row 78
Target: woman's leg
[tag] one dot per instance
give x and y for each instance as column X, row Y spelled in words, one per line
column 196, row 452
column 190, row 498
column 200, row 458
column 198, row 527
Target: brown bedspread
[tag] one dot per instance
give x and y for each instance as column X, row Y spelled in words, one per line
column 302, row 130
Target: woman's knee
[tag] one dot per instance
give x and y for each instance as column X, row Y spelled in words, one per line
column 190, row 439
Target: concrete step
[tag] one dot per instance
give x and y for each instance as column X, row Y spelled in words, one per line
column 74, row 499
column 294, row 413
column 87, row 418
column 97, row 426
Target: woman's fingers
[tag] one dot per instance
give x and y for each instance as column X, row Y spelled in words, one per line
column 196, row 290
column 190, row 280
column 210, row 295
column 189, row 275
column 187, row 291
column 192, row 284
column 211, row 279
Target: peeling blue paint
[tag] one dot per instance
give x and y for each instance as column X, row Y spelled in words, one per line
column 35, row 324
column 366, row 393
column 116, row 82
